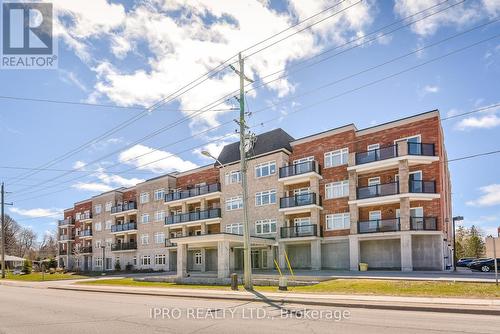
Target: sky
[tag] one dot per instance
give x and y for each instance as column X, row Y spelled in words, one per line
column 362, row 62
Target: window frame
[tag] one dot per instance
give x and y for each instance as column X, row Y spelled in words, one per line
column 230, row 200
column 344, row 217
column 263, row 165
column 344, row 189
column 328, row 157
column 263, row 194
column 261, row 224
column 159, row 191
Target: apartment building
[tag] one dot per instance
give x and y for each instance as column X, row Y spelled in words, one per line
column 331, row 200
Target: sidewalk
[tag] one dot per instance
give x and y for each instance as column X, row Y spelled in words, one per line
column 429, row 304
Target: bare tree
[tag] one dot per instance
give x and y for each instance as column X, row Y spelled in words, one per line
column 26, row 239
column 12, row 229
column 48, row 246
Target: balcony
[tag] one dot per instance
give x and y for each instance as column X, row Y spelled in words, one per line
column 65, row 222
column 300, row 203
column 423, row 223
column 377, row 154
column 124, row 207
column 299, row 173
column 193, row 216
column 124, row 227
column 423, row 149
column 123, row 246
column 299, row 231
column 422, row 187
column 85, row 216
column 85, row 233
column 63, row 252
column 194, row 192
column 65, row 237
column 377, row 190
column 380, row 225
column 86, row 250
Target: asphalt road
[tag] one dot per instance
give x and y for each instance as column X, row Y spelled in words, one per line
column 35, row 310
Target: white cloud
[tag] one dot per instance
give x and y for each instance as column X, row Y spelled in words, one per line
column 458, row 16
column 213, row 148
column 119, row 181
column 38, row 212
column 146, row 158
column 177, row 40
column 490, row 197
column 72, row 79
column 79, row 165
column 92, row 186
column 482, row 122
column 431, row 89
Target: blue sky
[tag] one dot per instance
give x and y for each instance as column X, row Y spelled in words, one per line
column 132, row 54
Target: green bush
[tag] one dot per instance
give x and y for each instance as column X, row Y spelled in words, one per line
column 117, row 266
column 52, row 263
column 27, row 267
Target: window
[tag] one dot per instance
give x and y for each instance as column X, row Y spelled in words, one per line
column 375, row 215
column 159, row 194
column 159, row 237
column 159, row 216
column 265, row 226
column 338, row 221
column 265, row 169
column 299, row 161
column 98, row 244
column 98, row 226
column 233, row 177
column 144, row 198
column 144, row 239
column 107, row 225
column 160, row 259
column 145, row 218
column 236, row 228
column 98, row 261
column 145, row 260
column 336, row 158
column 197, row 258
column 303, row 224
column 107, row 206
column 78, row 216
column 337, row 189
column 109, row 241
column 134, row 260
column 265, row 197
column 98, row 208
column 234, row 203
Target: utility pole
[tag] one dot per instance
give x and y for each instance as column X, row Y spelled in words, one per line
column 3, row 228
column 244, row 139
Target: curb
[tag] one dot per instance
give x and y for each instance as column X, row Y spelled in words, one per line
column 428, row 307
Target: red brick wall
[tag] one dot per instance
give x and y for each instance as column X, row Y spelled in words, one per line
column 130, row 196
column 209, row 176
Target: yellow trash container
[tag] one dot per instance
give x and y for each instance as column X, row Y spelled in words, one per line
column 363, row 267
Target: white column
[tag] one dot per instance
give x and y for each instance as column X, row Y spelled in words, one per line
column 406, row 260
column 223, row 259
column 203, row 259
column 316, row 255
column 281, row 256
column 354, row 252
column 182, row 253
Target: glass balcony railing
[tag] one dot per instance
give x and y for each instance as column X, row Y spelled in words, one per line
column 124, row 207
column 298, row 169
column 379, row 225
column 193, row 216
column 377, row 190
column 419, row 186
column 421, row 149
column 300, row 200
column 376, row 154
column 67, row 221
column 124, row 227
column 85, row 233
column 298, row 231
column 123, row 246
column 423, row 223
column 197, row 191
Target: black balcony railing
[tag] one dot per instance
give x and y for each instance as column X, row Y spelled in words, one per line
column 419, row 186
column 123, row 246
column 380, row 225
column 377, row 190
column 421, row 149
column 197, row 191
column 299, row 200
column 86, row 250
column 193, row 216
column 300, row 168
column 67, row 221
column 124, row 227
column 423, row 223
column 376, row 154
column 85, row 233
column 298, row 231
column 86, row 215
column 124, row 207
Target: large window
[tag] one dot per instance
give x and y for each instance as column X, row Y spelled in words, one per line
column 159, row 216
column 265, row 197
column 236, row 228
column 159, row 237
column 265, row 169
column 98, row 208
column 144, row 197
column 233, row 177
column 159, row 194
column 144, row 218
column 265, row 226
column 197, row 258
column 98, row 261
column 107, row 206
column 336, row 158
column 107, row 225
column 234, row 203
column 145, row 260
column 337, row 189
column 144, row 239
column 160, row 259
column 98, row 226
column 338, row 221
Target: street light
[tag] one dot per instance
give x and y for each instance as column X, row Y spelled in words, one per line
column 457, row 218
column 103, row 256
column 209, row 155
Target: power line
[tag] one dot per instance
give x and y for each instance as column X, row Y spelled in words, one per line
column 496, row 105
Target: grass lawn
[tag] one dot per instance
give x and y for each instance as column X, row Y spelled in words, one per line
column 46, row 277
column 350, row 286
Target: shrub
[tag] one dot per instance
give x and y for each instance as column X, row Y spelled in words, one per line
column 27, row 267
column 129, row 267
column 52, row 263
column 117, row 266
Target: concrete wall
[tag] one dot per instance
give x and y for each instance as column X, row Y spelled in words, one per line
column 426, row 252
column 381, row 254
column 211, row 260
column 335, row 255
column 299, row 256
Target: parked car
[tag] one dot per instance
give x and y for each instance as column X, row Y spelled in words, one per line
column 484, row 265
column 463, row 262
column 17, row 271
